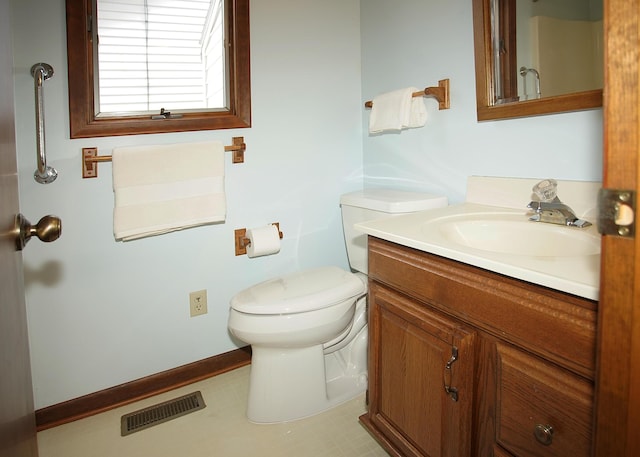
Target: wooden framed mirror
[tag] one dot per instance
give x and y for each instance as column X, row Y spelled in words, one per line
column 88, row 120
column 499, row 69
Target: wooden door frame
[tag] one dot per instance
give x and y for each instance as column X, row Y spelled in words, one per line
column 617, row 413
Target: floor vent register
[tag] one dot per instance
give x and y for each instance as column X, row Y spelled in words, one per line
column 162, row 412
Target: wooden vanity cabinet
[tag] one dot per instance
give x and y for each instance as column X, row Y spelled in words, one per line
column 418, row 352
column 463, row 361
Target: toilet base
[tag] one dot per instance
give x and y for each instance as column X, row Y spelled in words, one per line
column 294, row 383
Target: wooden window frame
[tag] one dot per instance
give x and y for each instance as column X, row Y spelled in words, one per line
column 83, row 122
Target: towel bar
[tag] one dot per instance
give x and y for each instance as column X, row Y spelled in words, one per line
column 440, row 93
column 90, row 157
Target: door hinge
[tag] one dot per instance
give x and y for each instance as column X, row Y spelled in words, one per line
column 616, row 212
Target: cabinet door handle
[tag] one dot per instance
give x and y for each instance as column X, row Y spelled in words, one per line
column 451, row 391
column 543, row 434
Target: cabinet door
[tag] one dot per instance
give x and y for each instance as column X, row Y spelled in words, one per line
column 411, row 347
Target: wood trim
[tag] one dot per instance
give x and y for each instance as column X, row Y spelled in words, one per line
column 509, row 64
column 83, row 122
column 378, row 436
column 123, row 394
column 618, row 395
column 485, row 90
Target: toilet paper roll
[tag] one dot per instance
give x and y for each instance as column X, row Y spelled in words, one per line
column 264, row 241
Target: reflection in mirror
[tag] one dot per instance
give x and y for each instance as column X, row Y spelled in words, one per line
column 537, row 56
column 557, row 47
column 155, row 66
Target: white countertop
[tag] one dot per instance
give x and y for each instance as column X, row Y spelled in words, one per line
column 575, row 274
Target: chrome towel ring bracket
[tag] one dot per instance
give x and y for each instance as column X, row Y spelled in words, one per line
column 44, row 174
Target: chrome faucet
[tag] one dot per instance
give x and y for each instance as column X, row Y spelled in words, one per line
column 550, row 209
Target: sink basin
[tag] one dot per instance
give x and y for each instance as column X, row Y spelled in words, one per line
column 516, row 235
column 503, row 240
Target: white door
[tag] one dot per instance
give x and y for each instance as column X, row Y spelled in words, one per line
column 17, row 418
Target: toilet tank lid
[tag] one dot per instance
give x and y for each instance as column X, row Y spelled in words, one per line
column 299, row 292
column 393, row 200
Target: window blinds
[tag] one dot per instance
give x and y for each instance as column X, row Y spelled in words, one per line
column 157, row 54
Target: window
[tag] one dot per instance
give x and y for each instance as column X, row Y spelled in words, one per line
column 122, row 66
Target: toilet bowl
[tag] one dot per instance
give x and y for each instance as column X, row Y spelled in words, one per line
column 288, row 332
column 308, row 329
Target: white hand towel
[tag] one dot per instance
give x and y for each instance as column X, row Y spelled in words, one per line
column 418, row 114
column 160, row 189
column 397, row 110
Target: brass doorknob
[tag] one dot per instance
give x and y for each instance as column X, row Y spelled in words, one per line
column 47, row 229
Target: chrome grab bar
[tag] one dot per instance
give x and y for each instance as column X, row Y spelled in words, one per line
column 44, row 174
column 523, row 73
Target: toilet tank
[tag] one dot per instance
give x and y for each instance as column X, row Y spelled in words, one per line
column 370, row 204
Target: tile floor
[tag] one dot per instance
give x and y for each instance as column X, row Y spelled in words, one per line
column 221, row 429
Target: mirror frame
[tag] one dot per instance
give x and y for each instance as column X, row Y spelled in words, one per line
column 83, row 122
column 485, row 81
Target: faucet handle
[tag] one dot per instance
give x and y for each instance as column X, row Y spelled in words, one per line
column 546, row 190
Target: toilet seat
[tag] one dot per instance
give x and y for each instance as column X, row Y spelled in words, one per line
column 299, row 292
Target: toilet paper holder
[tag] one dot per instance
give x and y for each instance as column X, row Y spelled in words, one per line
column 242, row 241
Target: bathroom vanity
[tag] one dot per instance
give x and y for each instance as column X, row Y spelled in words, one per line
column 472, row 355
column 517, row 360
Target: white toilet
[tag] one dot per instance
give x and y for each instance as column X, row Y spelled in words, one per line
column 308, row 330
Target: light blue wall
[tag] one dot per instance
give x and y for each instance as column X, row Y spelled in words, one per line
column 416, row 43
column 102, row 313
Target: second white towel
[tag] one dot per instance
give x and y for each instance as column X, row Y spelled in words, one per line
column 397, row 110
column 163, row 188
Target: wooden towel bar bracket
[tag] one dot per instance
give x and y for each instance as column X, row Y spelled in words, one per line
column 440, row 93
column 90, row 157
